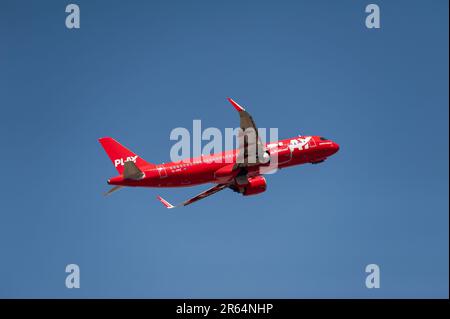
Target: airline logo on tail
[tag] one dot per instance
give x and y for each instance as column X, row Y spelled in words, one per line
column 121, row 161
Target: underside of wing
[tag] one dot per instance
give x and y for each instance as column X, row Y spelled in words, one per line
column 200, row 196
column 251, row 149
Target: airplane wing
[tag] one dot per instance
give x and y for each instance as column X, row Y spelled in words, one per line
column 202, row 195
column 251, row 149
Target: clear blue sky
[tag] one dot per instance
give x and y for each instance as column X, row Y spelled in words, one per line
column 137, row 69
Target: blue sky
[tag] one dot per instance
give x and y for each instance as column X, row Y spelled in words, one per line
column 135, row 70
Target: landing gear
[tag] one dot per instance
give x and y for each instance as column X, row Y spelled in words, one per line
column 241, row 178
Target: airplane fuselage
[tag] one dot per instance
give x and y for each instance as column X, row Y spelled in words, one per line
column 218, row 168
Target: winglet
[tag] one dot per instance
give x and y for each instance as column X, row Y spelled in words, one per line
column 236, row 106
column 165, row 203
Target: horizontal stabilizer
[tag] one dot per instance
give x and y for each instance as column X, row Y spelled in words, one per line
column 131, row 171
column 112, row 190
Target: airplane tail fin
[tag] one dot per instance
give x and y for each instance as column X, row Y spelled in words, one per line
column 119, row 155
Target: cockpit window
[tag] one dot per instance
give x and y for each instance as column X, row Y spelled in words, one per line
column 323, row 138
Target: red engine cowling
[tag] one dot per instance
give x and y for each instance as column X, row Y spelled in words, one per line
column 255, row 186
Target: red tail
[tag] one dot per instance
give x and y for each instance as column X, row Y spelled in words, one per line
column 120, row 154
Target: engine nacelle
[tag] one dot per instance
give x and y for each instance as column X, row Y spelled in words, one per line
column 255, row 186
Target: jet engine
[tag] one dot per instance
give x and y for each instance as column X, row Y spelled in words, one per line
column 254, row 185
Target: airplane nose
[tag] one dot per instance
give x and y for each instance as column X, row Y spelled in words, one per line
column 335, row 147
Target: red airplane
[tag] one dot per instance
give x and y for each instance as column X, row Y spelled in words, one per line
column 229, row 169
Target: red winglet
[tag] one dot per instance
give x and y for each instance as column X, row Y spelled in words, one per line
column 165, row 203
column 236, row 106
